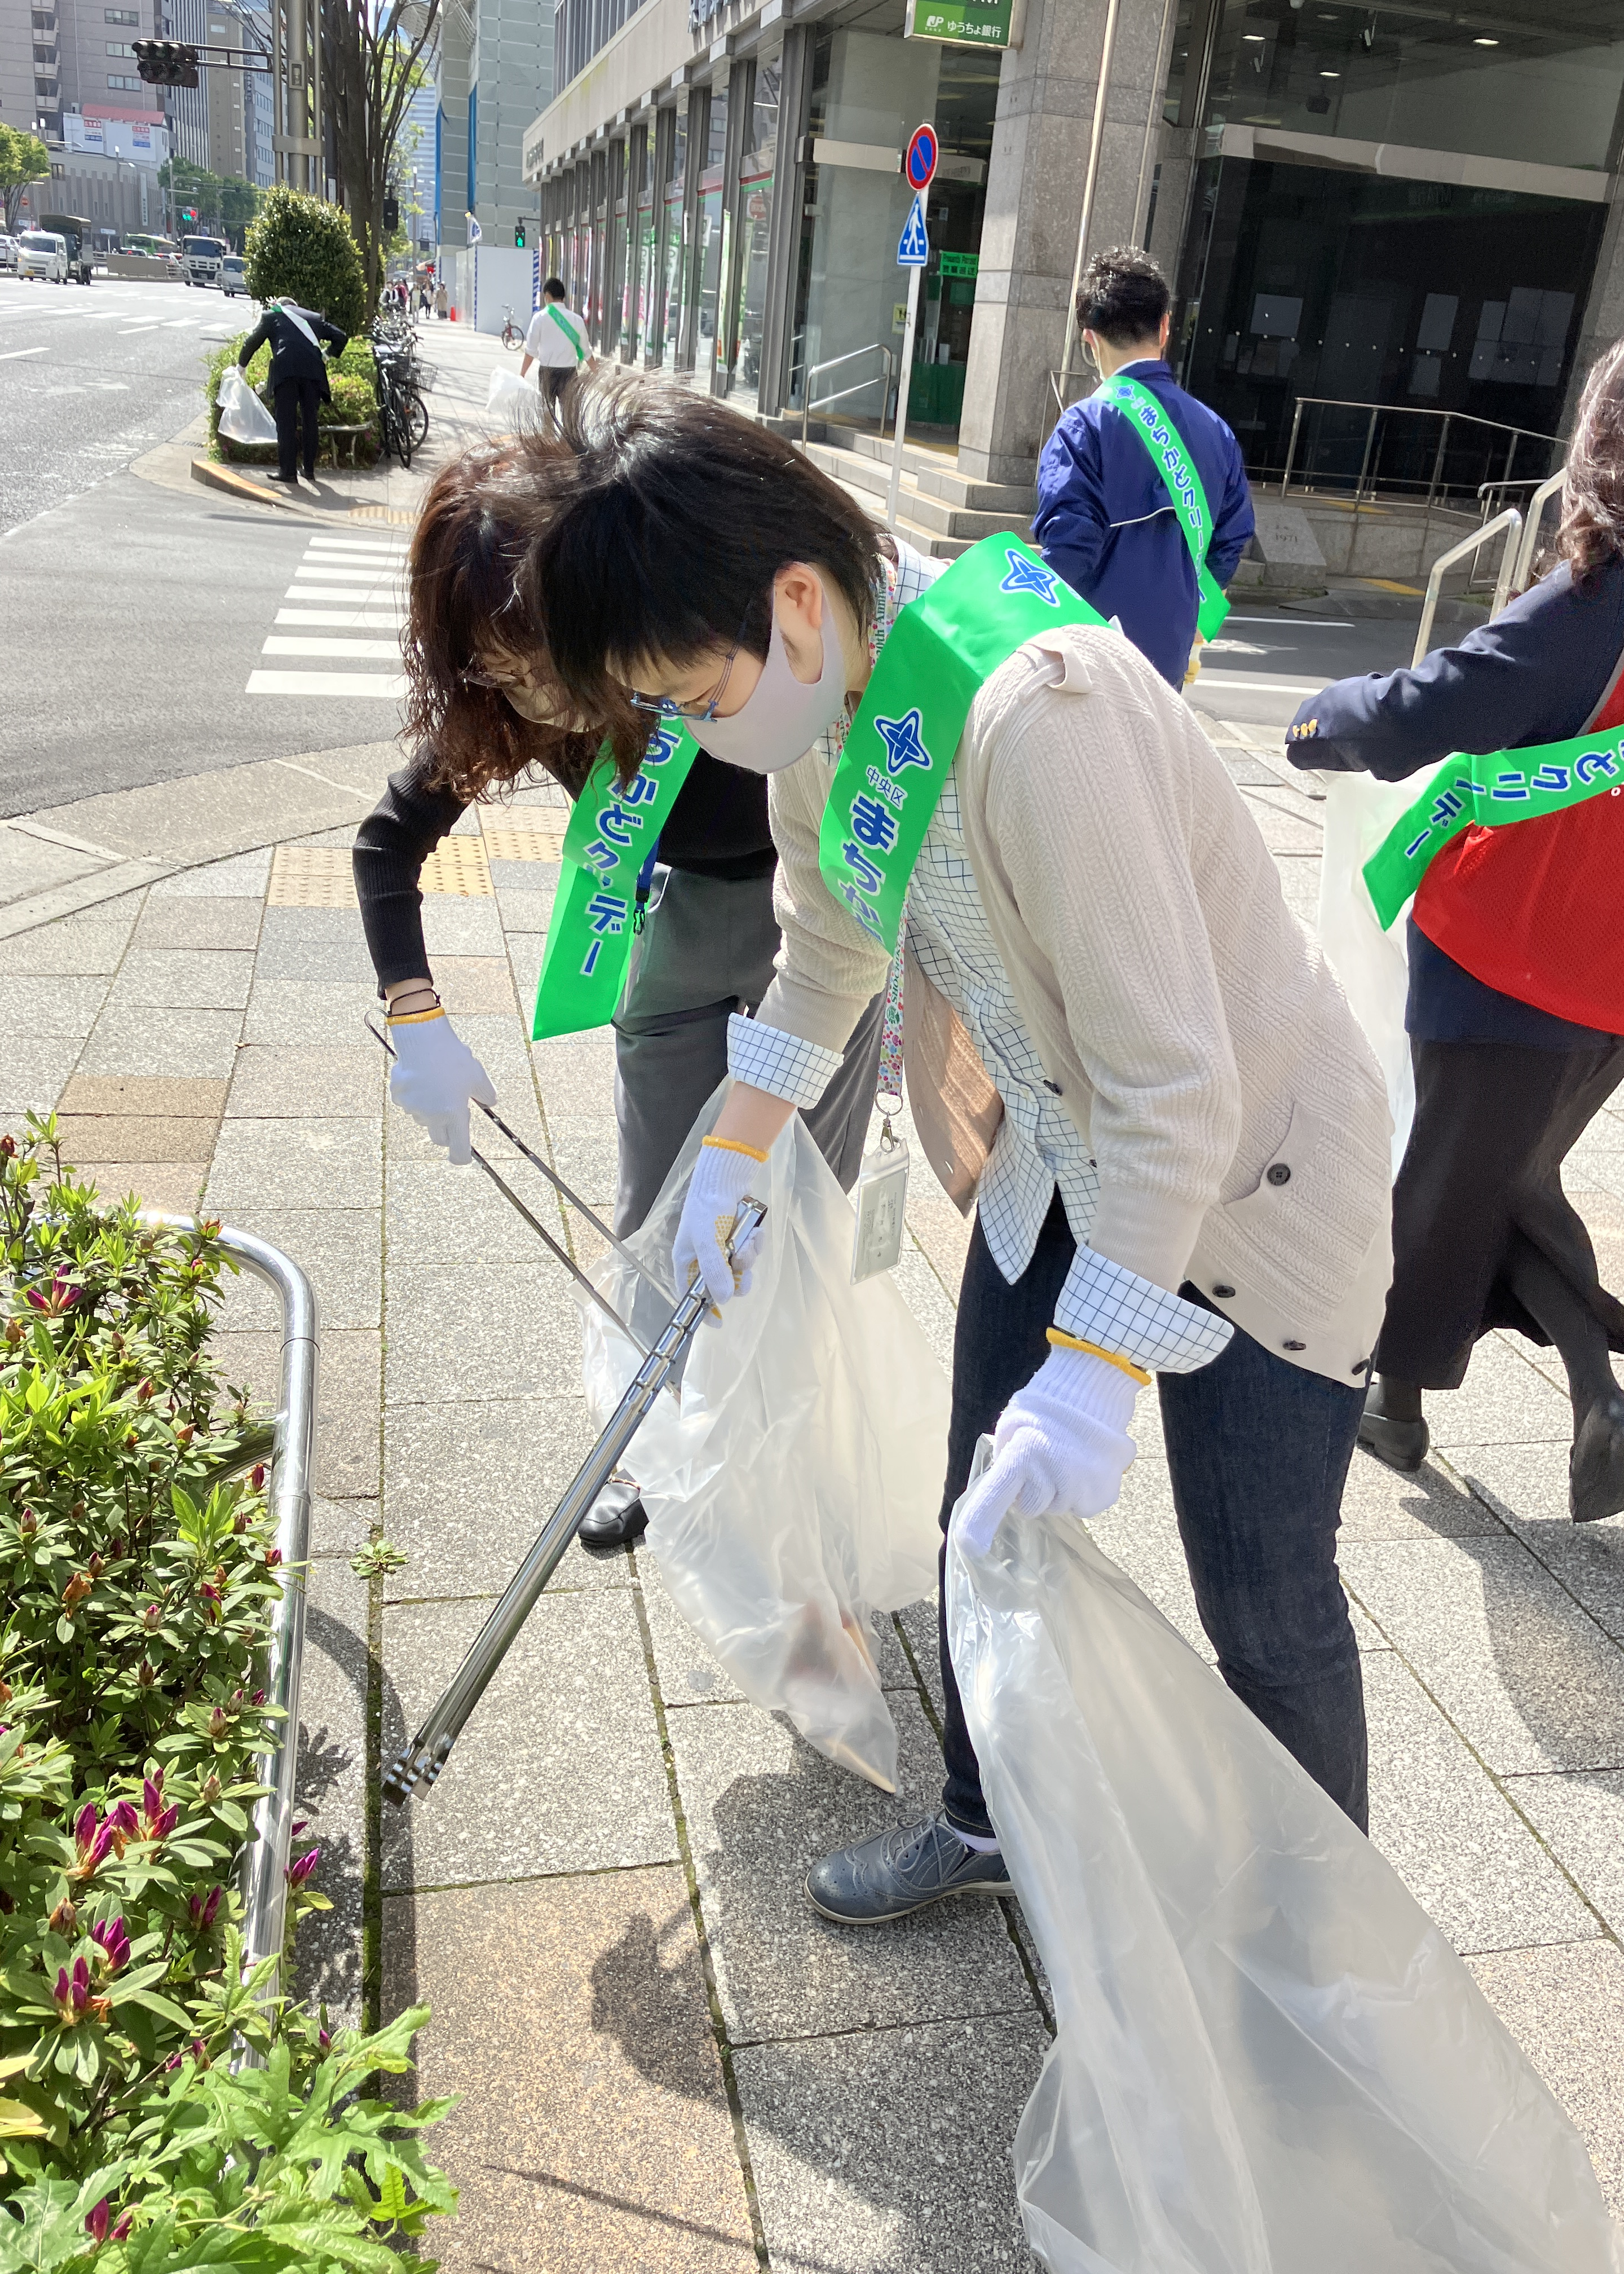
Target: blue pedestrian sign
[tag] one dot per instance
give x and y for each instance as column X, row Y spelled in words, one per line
column 914, row 246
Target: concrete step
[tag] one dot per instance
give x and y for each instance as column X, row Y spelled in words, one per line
column 867, row 479
column 938, row 474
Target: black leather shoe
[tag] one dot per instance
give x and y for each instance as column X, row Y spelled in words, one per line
column 1403, row 1445
column 616, row 1517
column 1596, row 1465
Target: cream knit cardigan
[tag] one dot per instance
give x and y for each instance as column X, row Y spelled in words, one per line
column 1197, row 1037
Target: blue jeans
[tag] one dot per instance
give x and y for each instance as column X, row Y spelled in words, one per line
column 1258, row 1452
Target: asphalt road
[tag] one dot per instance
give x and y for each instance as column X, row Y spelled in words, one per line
column 1269, row 660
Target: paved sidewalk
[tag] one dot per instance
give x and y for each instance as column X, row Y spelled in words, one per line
column 667, row 2060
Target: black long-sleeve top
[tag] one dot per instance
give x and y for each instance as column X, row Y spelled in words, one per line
column 718, row 827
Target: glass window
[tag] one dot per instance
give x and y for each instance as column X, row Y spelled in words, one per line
column 757, row 172
column 1541, row 86
column 641, row 291
column 674, row 237
column 710, row 231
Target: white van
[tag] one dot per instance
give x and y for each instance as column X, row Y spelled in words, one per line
column 41, row 253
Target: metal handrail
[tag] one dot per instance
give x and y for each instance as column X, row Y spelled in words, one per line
column 263, row 1870
column 1378, row 411
column 874, row 347
column 1534, row 512
column 1511, row 522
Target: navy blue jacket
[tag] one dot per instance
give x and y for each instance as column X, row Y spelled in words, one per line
column 1105, row 520
column 1538, row 672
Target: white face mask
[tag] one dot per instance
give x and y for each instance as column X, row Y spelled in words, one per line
column 782, row 718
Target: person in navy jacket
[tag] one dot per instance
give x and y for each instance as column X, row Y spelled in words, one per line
column 299, row 383
column 1104, row 517
column 1515, row 1011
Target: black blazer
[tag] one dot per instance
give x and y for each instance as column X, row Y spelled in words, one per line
column 292, row 356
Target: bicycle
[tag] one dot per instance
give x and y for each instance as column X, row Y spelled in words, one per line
column 512, row 337
column 402, row 421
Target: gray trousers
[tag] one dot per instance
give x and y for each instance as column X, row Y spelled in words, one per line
column 705, row 951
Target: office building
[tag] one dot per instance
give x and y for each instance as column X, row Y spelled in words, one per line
column 495, row 74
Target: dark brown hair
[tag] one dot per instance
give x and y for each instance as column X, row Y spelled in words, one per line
column 465, row 607
column 660, row 519
column 1593, row 529
column 1123, row 296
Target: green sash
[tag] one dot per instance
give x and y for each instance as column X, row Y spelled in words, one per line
column 569, row 330
column 607, row 847
column 1491, row 791
column 1171, row 460
column 898, row 748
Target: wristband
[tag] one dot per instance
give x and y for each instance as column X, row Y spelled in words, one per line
column 412, row 1017
column 732, row 1145
column 1063, row 1341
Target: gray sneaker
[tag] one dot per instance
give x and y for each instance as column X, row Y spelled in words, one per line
column 901, row 1870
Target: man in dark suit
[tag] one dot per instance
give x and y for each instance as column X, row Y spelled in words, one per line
column 299, row 383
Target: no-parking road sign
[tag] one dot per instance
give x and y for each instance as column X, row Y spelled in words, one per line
column 919, row 163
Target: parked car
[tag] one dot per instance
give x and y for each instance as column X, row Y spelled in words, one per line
column 233, row 278
column 79, row 235
column 201, row 257
column 8, row 253
column 40, row 252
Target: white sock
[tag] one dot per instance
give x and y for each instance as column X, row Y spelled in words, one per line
column 975, row 1841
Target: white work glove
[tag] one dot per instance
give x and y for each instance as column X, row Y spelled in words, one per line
column 433, row 1077
column 723, row 1174
column 1062, row 1443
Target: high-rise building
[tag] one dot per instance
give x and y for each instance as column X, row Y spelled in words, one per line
column 496, row 71
column 22, row 30
column 413, row 161
column 96, row 43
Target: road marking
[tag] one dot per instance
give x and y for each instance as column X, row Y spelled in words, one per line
column 1307, row 623
column 352, row 619
column 134, row 328
column 384, row 598
column 383, row 686
column 1233, row 685
column 374, row 549
column 360, row 650
column 11, row 354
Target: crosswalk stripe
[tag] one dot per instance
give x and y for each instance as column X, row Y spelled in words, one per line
column 360, row 650
column 184, row 323
column 134, row 328
column 367, row 552
column 384, row 598
column 385, row 686
column 11, row 354
column 353, row 620
column 347, row 572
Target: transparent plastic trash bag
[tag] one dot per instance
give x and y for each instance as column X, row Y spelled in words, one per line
column 243, row 416
column 794, row 1490
column 517, row 400
column 1268, row 2059
column 1373, row 965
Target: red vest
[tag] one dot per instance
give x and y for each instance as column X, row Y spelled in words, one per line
column 1536, row 909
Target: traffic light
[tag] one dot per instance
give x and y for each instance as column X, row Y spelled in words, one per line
column 165, row 63
column 189, row 213
column 391, row 212
column 518, row 236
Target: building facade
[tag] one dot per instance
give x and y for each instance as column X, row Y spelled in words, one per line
column 1404, row 210
column 495, row 74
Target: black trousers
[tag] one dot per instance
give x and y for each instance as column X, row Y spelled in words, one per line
column 1494, row 1122
column 297, row 397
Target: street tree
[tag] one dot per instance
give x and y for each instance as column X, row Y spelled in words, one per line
column 192, row 189
column 24, row 158
column 372, row 68
column 300, row 248
column 240, row 202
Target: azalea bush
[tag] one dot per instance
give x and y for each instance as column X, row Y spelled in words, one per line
column 352, row 376
column 158, row 2109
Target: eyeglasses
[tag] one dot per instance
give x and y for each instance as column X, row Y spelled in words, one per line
column 708, row 707
column 494, row 682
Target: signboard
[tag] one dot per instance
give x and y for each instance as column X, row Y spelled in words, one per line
column 918, row 161
column 959, row 23
column 960, row 264
column 914, row 246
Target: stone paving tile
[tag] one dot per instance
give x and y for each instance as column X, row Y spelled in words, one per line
column 928, row 1299
column 475, row 986
column 524, row 952
column 1531, row 1681
column 312, row 1012
column 920, row 1622
column 200, row 923
column 323, row 946
column 1581, row 1816
column 128, row 1040
column 290, row 1081
column 1299, row 886
column 340, row 1527
column 175, row 1184
column 347, row 1461
column 586, row 1155
column 1452, row 1836
column 332, row 1790
column 134, row 1137
column 340, row 1250
column 53, row 1004
column 593, row 2131
column 456, row 1334
column 559, row 1768
column 467, row 1487
column 181, row 979
column 243, row 875
column 1503, row 1400
column 33, row 1068
column 1284, row 820
column 311, row 1164
column 1565, row 2008
column 762, row 1807
column 576, row 1076
column 1527, row 1487
column 1380, row 1504
column 532, row 883
column 890, row 2154
column 30, row 864
column 156, row 1096
column 73, row 947
column 458, row 927
column 443, row 1214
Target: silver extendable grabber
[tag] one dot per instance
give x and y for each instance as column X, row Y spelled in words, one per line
column 417, row 1768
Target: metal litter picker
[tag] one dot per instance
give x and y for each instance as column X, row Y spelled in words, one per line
column 416, row 1768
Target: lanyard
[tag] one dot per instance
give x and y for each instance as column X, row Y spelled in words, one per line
column 1488, row 792
column 607, row 854
column 1172, row 461
column 941, row 650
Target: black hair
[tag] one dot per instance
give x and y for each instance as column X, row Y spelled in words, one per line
column 1122, row 297
column 553, row 289
column 660, row 521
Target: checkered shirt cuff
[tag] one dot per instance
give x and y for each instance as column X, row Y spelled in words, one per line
column 786, row 1065
column 1104, row 1303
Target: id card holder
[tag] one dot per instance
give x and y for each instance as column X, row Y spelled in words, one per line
column 881, row 1187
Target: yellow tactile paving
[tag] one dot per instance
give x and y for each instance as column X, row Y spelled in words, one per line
column 537, row 841
column 458, row 866
column 320, row 876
